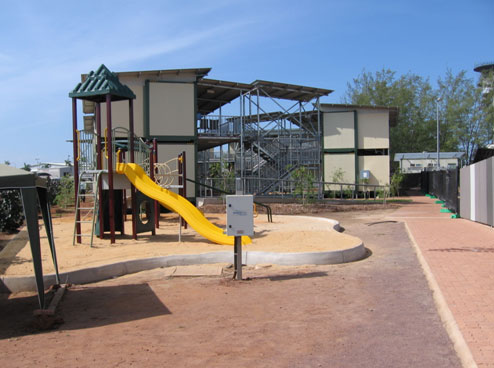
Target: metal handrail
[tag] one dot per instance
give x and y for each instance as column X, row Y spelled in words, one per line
column 269, row 212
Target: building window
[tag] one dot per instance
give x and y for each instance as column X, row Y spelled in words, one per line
column 373, row 152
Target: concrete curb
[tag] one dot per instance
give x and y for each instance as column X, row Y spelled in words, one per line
column 94, row 274
column 449, row 322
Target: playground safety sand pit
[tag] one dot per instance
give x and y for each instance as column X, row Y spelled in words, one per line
column 287, row 234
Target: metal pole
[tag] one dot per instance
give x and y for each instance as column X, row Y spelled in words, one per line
column 157, row 207
column 179, row 228
column 258, row 144
column 319, row 150
column 242, row 107
column 132, row 160
column 111, row 201
column 99, row 166
column 237, row 258
column 131, row 128
column 76, row 165
column 184, row 182
column 438, row 132
column 152, row 161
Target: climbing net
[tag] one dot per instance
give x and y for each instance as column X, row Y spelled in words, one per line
column 166, row 173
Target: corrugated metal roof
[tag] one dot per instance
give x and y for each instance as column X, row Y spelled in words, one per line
column 197, row 72
column 99, row 84
column 427, row 155
column 212, row 93
column 290, row 91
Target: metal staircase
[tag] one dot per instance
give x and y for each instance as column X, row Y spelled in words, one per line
column 87, row 205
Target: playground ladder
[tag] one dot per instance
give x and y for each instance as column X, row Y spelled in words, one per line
column 87, row 203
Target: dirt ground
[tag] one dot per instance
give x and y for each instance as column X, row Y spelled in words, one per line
column 377, row 312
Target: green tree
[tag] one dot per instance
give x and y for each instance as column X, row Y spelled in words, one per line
column 411, row 94
column 26, row 167
column 6, row 162
column 304, row 183
column 224, row 176
column 464, row 119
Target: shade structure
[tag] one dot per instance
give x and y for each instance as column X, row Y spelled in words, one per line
column 33, row 191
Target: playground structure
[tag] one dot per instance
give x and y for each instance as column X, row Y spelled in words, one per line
column 101, row 184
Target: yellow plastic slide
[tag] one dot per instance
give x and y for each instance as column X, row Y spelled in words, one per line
column 176, row 203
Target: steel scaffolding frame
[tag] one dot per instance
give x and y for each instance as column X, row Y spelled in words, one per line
column 267, row 145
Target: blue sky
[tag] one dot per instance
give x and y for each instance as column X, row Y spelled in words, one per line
column 45, row 46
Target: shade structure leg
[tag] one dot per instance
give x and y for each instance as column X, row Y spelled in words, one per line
column 29, row 200
column 44, row 203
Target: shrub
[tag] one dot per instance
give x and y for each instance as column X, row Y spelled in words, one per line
column 396, row 181
column 11, row 211
column 65, row 196
column 304, row 183
column 54, row 188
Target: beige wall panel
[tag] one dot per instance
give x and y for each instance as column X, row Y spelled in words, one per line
column 120, row 110
column 378, row 167
column 169, row 151
column 171, row 109
column 373, row 129
column 338, row 130
column 333, row 162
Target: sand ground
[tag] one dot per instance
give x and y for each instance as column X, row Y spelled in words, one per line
column 286, row 234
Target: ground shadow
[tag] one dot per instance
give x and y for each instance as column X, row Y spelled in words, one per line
column 368, row 253
column 290, row 276
column 84, row 307
column 381, row 222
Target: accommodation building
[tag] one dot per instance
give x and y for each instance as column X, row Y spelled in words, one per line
column 53, row 169
column 417, row 162
column 261, row 131
column 356, row 142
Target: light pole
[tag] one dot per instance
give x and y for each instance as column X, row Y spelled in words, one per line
column 438, row 132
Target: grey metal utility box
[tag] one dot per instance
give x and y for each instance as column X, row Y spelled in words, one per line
column 239, row 215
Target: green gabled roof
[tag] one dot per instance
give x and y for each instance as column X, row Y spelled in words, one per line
column 99, row 84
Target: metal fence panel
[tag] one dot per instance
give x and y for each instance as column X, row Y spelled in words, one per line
column 465, row 197
column 476, row 192
column 444, row 185
column 481, row 189
column 490, row 191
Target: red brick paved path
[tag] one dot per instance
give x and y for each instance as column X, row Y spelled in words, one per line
column 460, row 254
